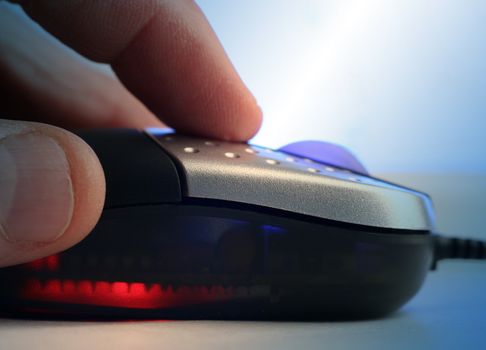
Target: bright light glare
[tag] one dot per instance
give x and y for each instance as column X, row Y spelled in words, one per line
column 401, row 83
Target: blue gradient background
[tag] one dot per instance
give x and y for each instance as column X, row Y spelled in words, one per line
column 401, row 83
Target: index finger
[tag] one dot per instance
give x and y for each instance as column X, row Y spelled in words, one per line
column 166, row 53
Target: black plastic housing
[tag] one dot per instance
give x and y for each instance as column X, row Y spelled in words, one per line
column 193, row 261
column 137, row 170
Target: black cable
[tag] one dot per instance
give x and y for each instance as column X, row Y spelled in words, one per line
column 458, row 248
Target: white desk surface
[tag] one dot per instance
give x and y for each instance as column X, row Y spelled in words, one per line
column 448, row 313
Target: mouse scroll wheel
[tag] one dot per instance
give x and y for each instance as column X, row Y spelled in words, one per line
column 324, row 152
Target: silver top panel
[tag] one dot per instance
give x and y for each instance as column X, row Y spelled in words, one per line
column 251, row 174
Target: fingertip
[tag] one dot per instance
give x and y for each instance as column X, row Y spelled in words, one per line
column 234, row 117
column 88, row 181
column 56, row 190
column 248, row 120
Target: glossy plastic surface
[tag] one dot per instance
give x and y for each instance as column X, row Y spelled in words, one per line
column 137, row 171
column 207, row 261
column 242, row 173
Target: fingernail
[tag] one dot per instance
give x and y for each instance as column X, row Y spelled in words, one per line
column 36, row 195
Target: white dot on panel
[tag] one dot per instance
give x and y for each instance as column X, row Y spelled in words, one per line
column 251, row 150
column 272, row 161
column 191, row 150
column 231, row 155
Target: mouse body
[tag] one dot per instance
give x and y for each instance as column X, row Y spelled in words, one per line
column 199, row 228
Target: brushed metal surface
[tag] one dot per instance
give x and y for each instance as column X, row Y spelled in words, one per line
column 251, row 174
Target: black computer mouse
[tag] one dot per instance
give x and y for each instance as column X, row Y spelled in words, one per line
column 198, row 228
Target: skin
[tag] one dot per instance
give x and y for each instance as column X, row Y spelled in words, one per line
column 170, row 69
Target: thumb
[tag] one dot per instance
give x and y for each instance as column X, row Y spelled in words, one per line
column 52, row 190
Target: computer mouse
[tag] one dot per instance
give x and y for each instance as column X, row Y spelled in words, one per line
column 200, row 228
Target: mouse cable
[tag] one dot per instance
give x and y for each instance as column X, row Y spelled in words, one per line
column 458, row 248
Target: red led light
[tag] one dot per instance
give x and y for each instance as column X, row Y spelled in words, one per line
column 50, row 263
column 35, row 265
column 122, row 294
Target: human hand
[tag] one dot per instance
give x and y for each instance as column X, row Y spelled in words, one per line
column 170, row 65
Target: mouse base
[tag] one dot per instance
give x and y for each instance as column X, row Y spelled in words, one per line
column 203, row 260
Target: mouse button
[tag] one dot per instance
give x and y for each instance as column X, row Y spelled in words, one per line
column 137, row 170
column 325, row 152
